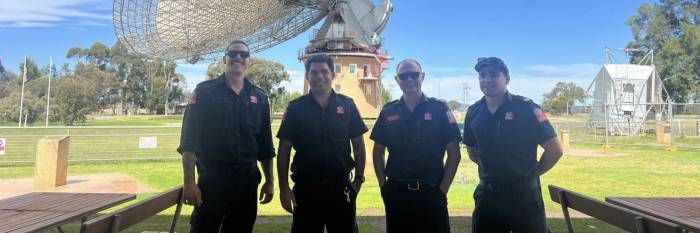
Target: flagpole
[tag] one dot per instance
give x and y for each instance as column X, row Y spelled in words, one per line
column 48, row 91
column 21, row 101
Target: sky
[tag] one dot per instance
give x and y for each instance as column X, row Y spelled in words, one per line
column 542, row 41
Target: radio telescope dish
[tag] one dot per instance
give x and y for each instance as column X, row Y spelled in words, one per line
column 198, row 29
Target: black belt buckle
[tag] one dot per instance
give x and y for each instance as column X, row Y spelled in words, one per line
column 413, row 187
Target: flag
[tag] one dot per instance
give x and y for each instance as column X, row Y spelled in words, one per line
column 25, row 78
column 52, row 70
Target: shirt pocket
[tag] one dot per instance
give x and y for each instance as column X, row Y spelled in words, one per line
column 428, row 132
column 253, row 117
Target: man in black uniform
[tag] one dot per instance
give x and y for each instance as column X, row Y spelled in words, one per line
column 502, row 132
column 417, row 130
column 320, row 126
column 226, row 129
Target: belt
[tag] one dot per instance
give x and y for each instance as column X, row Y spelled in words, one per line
column 412, row 185
column 318, row 179
column 509, row 187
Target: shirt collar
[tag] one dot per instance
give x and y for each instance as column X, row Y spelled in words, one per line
column 221, row 80
column 508, row 98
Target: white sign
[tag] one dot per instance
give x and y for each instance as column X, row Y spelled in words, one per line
column 148, row 142
column 2, row 146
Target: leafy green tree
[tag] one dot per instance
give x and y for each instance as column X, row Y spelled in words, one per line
column 32, row 68
column 76, row 53
column 670, row 28
column 33, row 108
column 386, row 95
column 75, row 99
column 454, row 105
column 564, row 94
column 99, row 55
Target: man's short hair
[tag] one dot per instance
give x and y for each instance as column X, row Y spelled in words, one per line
column 319, row 58
column 493, row 62
column 408, row 60
column 235, row 42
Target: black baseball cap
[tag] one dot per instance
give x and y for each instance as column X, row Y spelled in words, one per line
column 491, row 61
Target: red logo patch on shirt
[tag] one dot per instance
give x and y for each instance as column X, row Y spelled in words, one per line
column 427, row 116
column 193, row 98
column 340, row 110
column 253, row 99
column 509, row 116
column 392, row 118
column 541, row 117
column 451, row 117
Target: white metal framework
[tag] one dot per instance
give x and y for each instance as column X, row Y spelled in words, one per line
column 198, row 29
column 629, row 94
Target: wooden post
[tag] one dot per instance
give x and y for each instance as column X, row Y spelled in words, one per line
column 51, row 162
column 660, row 131
column 565, row 139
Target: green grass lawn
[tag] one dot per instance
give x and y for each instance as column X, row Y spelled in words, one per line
column 642, row 172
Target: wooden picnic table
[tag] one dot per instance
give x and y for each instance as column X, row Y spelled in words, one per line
column 684, row 211
column 38, row 212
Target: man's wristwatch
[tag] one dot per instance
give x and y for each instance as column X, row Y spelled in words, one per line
column 360, row 178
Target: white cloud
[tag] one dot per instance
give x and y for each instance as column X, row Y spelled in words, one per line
column 46, row 13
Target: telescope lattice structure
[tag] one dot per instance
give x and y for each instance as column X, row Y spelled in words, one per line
column 198, row 29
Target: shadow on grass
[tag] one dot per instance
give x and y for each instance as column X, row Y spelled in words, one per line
column 368, row 224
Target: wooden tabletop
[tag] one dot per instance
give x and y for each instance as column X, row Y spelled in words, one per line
column 684, row 211
column 37, row 212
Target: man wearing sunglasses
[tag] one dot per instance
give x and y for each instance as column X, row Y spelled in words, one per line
column 225, row 132
column 417, row 131
column 321, row 126
column 502, row 132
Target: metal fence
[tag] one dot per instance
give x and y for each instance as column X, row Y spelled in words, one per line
column 94, row 143
column 679, row 123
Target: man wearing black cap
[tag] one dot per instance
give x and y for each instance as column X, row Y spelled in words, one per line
column 417, row 130
column 502, row 132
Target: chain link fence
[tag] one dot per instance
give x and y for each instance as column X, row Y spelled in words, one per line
column 665, row 125
column 93, row 143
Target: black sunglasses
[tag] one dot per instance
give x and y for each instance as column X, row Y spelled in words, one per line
column 407, row 75
column 234, row 53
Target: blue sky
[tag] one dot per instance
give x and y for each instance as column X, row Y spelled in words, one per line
column 542, row 41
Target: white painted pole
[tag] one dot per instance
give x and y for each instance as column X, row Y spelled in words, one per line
column 21, row 100
column 48, row 91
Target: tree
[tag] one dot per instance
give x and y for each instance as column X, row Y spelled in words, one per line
column 288, row 97
column 454, row 105
column 75, row 52
column 33, row 107
column 98, row 55
column 75, row 99
column 670, row 28
column 561, row 96
column 32, row 68
column 386, row 95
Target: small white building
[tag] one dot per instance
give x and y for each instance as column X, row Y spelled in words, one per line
column 632, row 94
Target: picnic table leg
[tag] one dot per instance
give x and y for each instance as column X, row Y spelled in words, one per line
column 565, row 209
column 59, row 229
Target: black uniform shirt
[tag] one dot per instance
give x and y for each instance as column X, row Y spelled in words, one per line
column 321, row 137
column 506, row 141
column 416, row 140
column 222, row 126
